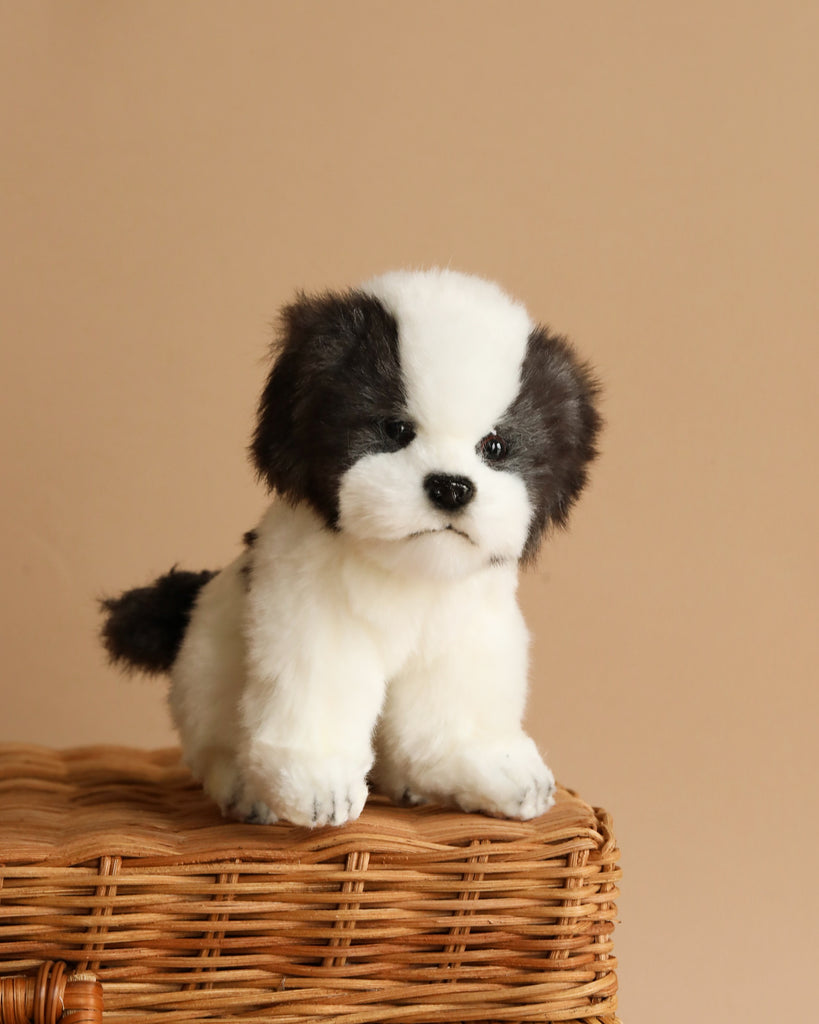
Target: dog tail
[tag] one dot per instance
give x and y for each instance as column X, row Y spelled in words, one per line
column 144, row 627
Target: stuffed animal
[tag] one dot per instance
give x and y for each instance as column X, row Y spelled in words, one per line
column 421, row 434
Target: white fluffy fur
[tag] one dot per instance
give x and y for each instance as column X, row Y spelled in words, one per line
column 392, row 648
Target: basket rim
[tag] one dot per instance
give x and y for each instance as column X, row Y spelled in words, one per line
column 82, row 803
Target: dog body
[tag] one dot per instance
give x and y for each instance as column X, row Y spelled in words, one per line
column 423, row 434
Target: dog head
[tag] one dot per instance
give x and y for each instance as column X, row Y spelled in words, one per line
column 427, row 418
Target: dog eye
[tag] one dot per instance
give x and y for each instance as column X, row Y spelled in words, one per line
column 399, row 431
column 493, row 448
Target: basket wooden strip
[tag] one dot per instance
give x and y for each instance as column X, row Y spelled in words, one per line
column 50, row 996
column 116, row 861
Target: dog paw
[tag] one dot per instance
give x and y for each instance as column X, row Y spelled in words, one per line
column 511, row 782
column 251, row 812
column 503, row 780
column 218, row 771
column 304, row 789
column 409, row 798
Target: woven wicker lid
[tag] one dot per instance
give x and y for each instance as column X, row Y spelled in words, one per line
column 79, row 804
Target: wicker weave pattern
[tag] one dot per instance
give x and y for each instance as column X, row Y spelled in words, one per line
column 116, row 862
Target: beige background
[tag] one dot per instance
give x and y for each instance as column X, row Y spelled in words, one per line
column 644, row 176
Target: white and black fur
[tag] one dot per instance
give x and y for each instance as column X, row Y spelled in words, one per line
column 424, row 433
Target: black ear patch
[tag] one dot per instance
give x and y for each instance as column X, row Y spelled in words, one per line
column 335, row 379
column 552, row 427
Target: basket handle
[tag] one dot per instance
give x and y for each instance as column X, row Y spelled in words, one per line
column 51, row 996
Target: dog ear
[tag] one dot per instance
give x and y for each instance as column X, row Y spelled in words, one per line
column 558, row 400
column 311, row 330
column 325, row 351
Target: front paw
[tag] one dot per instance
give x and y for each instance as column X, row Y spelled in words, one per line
column 501, row 779
column 306, row 789
column 506, row 782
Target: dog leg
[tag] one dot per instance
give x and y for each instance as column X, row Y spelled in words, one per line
column 308, row 715
column 206, row 685
column 450, row 730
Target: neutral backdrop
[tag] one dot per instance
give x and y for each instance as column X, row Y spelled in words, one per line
column 644, row 177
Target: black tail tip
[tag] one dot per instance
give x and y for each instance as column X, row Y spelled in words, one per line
column 144, row 627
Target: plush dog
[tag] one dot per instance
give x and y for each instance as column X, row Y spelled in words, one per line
column 422, row 434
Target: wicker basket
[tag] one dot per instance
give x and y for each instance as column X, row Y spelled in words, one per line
column 115, row 862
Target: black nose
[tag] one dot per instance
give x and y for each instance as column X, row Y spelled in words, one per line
column 449, row 492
